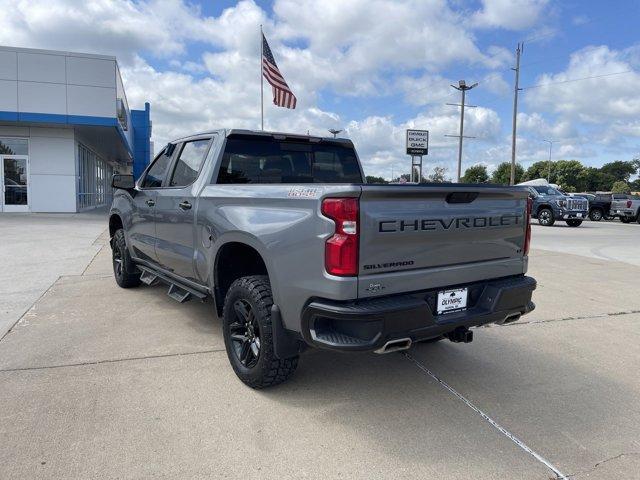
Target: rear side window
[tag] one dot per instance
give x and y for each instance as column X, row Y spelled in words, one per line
column 155, row 175
column 189, row 163
column 260, row 161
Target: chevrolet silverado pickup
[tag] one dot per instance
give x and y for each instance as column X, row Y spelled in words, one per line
column 296, row 251
column 626, row 207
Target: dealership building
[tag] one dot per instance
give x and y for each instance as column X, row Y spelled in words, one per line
column 65, row 128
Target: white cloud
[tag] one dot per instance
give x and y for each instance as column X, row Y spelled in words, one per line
column 120, row 28
column 613, row 98
column 509, row 14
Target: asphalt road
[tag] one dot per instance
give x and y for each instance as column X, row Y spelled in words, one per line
column 100, row 382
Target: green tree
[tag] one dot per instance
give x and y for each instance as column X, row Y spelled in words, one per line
column 620, row 187
column 372, row 179
column 621, row 171
column 476, row 174
column 566, row 173
column 502, row 174
column 537, row 170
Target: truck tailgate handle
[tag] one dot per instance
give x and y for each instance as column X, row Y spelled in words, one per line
column 461, row 197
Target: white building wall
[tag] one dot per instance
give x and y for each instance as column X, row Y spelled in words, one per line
column 60, row 83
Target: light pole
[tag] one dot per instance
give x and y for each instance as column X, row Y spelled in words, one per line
column 462, row 87
column 550, row 142
column 334, row 132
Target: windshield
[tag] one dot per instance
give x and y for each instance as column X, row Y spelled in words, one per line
column 268, row 160
column 546, row 190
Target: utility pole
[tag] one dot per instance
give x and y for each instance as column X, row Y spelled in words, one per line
column 515, row 113
column 550, row 142
column 462, row 87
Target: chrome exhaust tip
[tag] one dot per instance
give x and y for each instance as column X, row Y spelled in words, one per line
column 395, row 346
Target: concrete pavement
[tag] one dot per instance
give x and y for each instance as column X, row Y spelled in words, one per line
column 36, row 249
column 100, row 382
column 606, row 240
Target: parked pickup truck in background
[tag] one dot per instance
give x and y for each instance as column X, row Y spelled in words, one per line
column 599, row 205
column 626, row 207
column 298, row 252
column 550, row 205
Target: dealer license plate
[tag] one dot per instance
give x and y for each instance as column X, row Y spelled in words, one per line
column 452, row 300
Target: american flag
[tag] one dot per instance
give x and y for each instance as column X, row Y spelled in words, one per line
column 282, row 94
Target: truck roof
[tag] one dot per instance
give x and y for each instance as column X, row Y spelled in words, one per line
column 237, row 132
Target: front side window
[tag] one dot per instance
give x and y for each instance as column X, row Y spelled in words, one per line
column 269, row 160
column 189, row 163
column 156, row 174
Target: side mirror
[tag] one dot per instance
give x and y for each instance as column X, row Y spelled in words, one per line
column 123, row 182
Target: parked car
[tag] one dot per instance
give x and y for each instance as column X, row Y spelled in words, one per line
column 550, row 205
column 626, row 207
column 297, row 251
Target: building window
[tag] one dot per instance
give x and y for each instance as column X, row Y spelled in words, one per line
column 14, row 146
column 94, row 179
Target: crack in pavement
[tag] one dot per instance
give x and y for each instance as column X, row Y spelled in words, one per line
column 564, row 319
column 615, row 457
column 558, row 474
column 113, row 360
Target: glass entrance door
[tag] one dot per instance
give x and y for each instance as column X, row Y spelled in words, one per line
column 14, row 174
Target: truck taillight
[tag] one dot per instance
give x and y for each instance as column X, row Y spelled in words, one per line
column 527, row 235
column 341, row 249
column 629, row 203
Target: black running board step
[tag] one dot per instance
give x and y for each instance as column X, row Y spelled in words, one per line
column 179, row 292
column 148, row 278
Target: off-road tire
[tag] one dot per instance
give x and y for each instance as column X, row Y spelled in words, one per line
column 596, row 215
column 125, row 271
column 265, row 370
column 546, row 217
column 574, row 223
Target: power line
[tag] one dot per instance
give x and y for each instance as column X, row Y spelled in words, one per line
column 576, row 79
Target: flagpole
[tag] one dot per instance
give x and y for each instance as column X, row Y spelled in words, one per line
column 261, row 82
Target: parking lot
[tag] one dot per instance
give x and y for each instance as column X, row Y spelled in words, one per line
column 101, row 382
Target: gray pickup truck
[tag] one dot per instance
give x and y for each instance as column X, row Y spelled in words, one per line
column 297, row 251
column 626, row 207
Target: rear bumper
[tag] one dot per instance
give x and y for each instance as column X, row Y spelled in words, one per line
column 368, row 324
column 623, row 212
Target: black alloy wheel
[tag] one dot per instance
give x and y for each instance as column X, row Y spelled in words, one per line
column 248, row 334
column 125, row 271
column 245, row 333
column 596, row 215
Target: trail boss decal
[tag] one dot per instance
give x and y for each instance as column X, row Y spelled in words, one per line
column 426, row 224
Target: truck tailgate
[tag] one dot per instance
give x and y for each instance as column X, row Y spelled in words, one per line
column 419, row 237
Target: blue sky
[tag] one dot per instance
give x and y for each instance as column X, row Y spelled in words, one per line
column 373, row 68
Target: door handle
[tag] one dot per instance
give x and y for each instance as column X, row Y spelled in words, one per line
column 150, row 202
column 185, row 205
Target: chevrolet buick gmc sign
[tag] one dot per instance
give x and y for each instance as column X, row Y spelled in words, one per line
column 417, row 142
